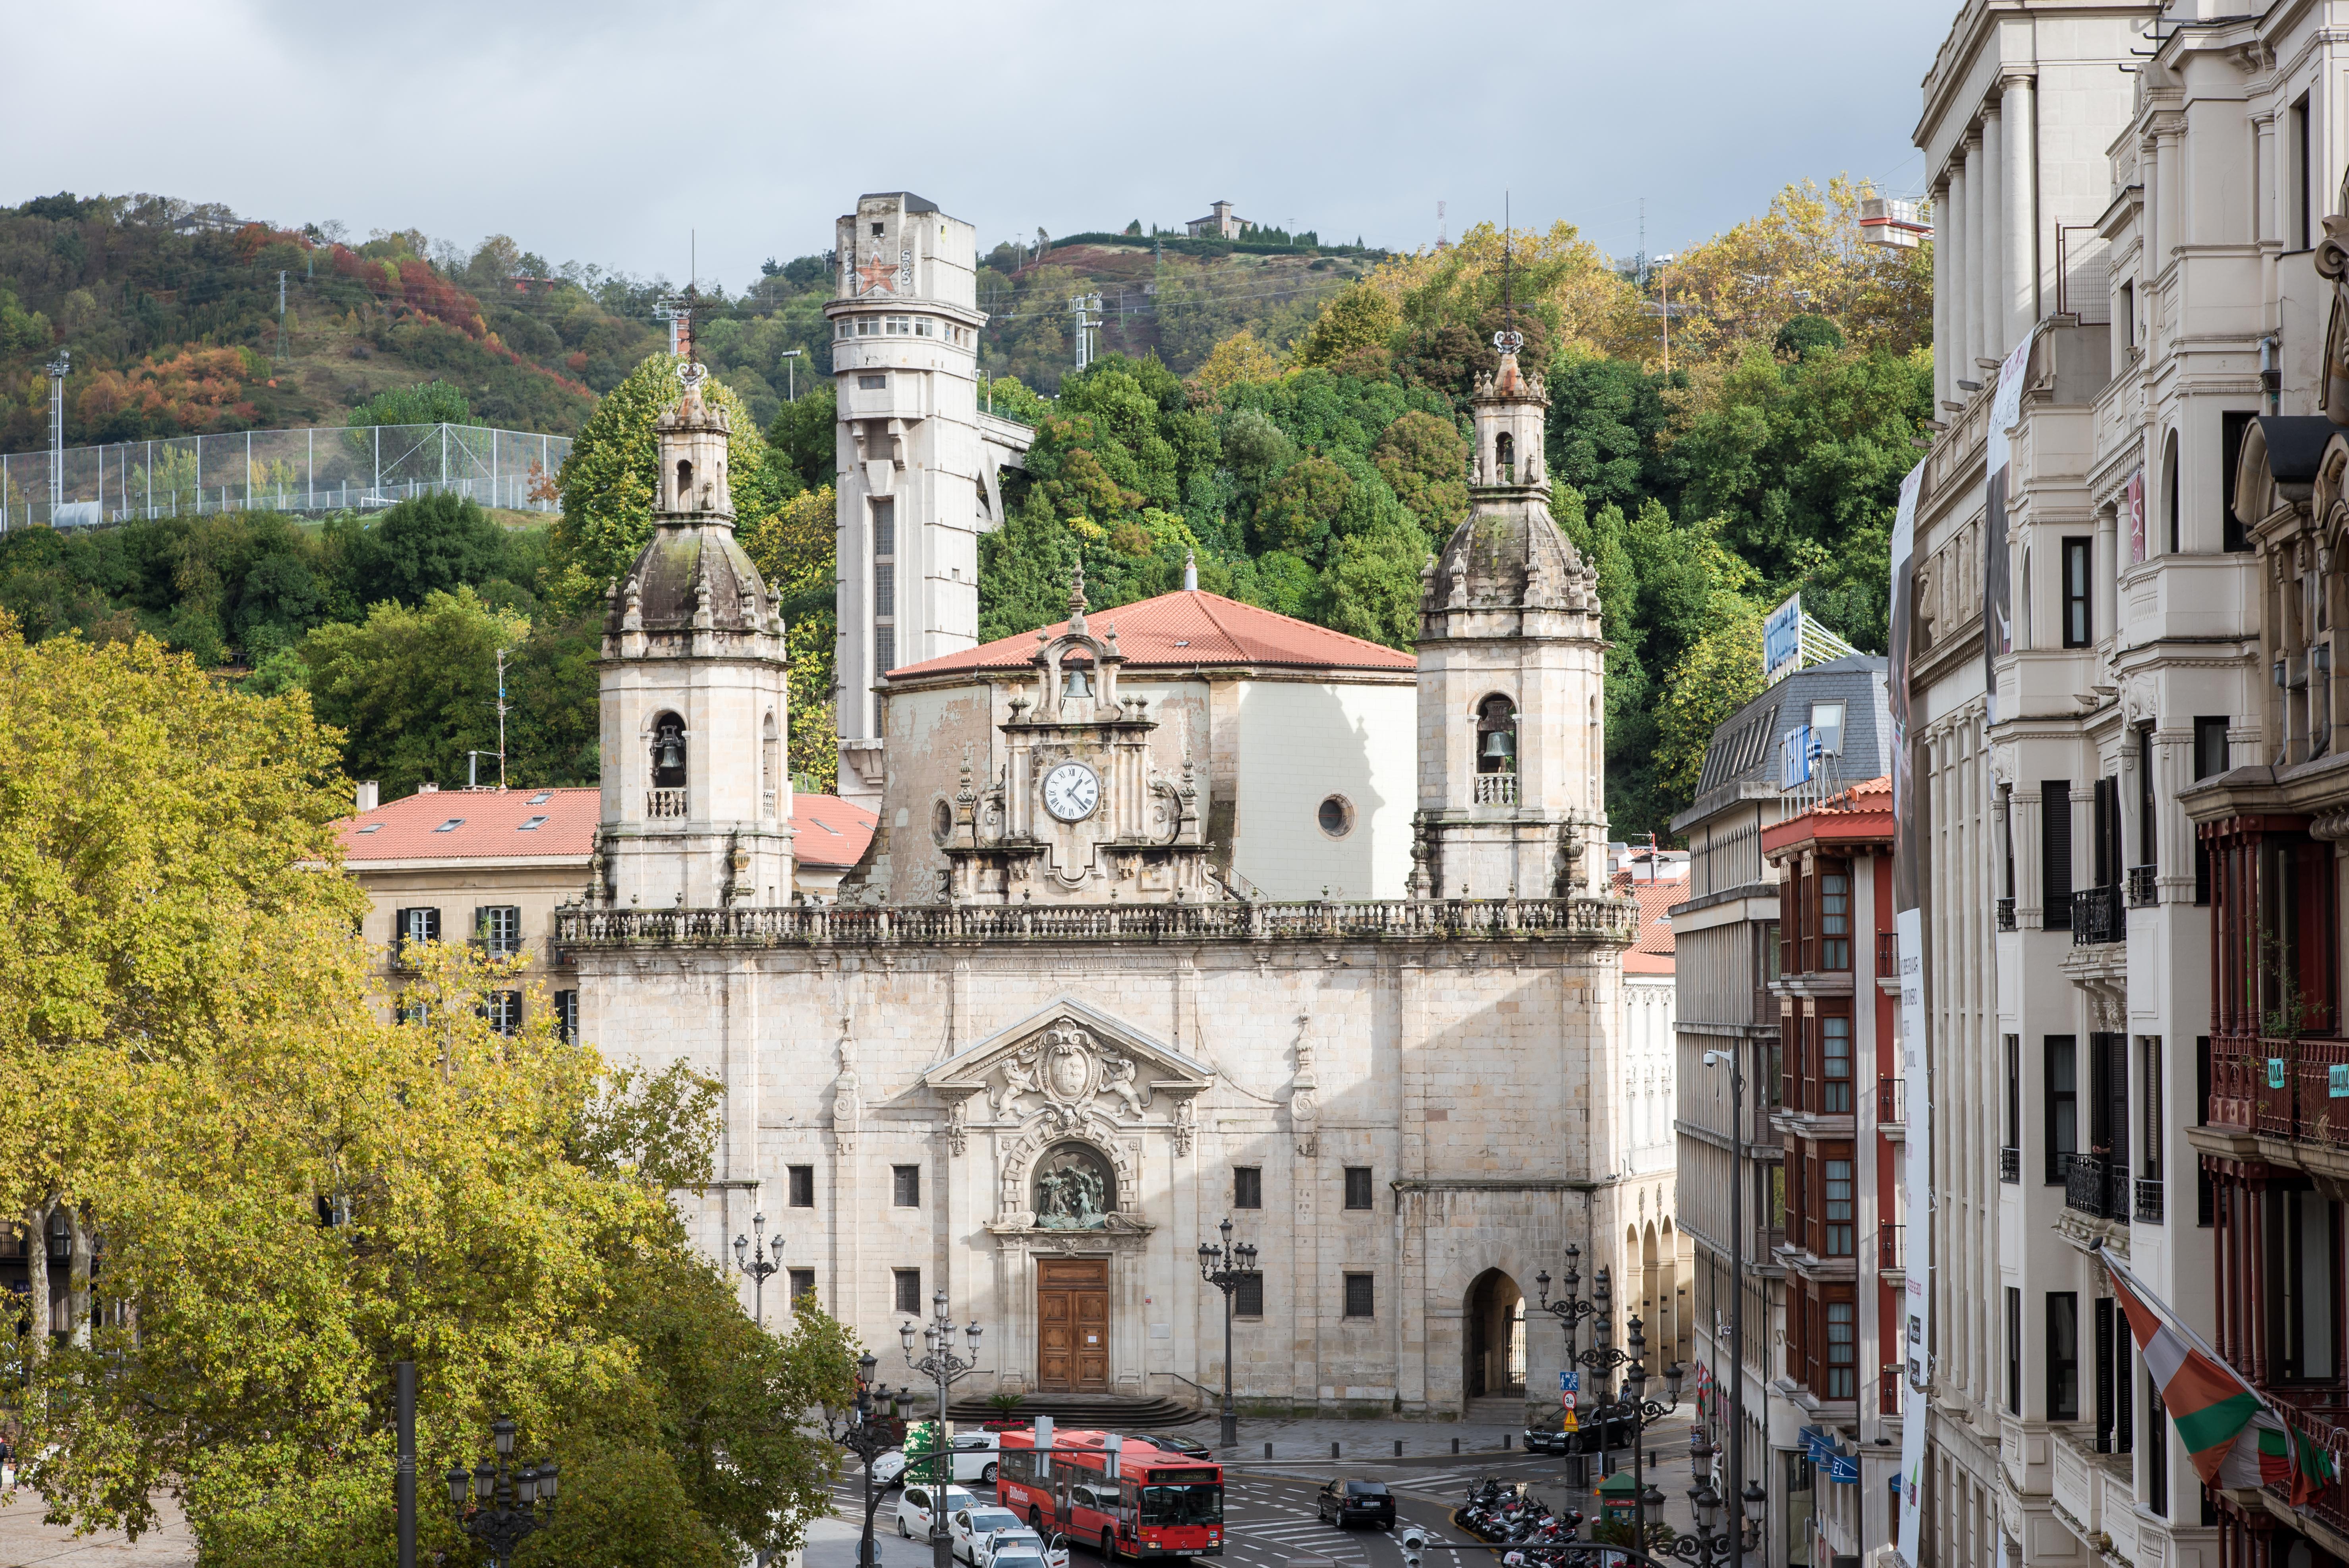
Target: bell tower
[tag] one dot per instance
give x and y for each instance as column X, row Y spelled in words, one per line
column 1512, row 783
column 697, row 805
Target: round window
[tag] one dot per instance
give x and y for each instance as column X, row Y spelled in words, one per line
column 941, row 821
column 1337, row 816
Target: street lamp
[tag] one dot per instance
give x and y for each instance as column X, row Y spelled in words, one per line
column 1711, row 1542
column 1226, row 1267
column 868, row 1438
column 942, row 1367
column 759, row 1264
column 1633, row 1408
column 505, row 1507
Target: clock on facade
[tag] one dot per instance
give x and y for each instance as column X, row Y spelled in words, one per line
column 1071, row 790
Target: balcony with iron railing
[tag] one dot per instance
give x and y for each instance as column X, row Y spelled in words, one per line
column 2142, row 892
column 2093, row 1185
column 2290, row 1090
column 2149, row 1206
column 1888, row 1259
column 2096, row 917
column 2006, row 914
column 1892, row 1108
column 1887, row 956
column 2009, row 1164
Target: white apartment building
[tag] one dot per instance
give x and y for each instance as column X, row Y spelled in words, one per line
column 2126, row 199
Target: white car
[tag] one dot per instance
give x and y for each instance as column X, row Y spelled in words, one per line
column 889, row 1469
column 1020, row 1548
column 914, row 1507
column 976, row 1454
column 972, row 1525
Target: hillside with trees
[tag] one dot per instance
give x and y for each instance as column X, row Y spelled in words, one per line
column 1309, row 457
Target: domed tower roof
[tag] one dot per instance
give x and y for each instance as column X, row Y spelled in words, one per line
column 691, row 575
column 1510, row 552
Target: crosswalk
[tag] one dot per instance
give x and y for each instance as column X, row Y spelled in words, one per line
column 1261, row 1525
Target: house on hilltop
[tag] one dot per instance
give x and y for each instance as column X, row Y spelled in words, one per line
column 1220, row 223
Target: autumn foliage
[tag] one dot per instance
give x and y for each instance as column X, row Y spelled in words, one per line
column 191, row 389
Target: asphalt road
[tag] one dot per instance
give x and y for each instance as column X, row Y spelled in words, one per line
column 1269, row 1517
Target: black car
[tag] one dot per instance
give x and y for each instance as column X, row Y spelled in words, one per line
column 1191, row 1446
column 1582, row 1440
column 1349, row 1503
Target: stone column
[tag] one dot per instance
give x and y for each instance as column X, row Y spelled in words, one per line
column 1952, row 248
column 2018, row 139
column 1971, row 286
column 1942, row 373
column 1993, row 234
column 2107, row 568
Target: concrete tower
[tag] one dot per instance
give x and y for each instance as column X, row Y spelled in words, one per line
column 917, row 459
column 1512, row 783
column 697, row 801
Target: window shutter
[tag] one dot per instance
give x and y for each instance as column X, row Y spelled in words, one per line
column 399, row 933
column 431, row 925
column 2055, row 854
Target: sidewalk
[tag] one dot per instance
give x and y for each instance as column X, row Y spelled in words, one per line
column 27, row 1543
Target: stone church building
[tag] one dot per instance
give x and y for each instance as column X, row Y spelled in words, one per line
column 1176, row 913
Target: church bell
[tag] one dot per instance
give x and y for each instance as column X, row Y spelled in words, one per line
column 1500, row 745
column 1078, row 686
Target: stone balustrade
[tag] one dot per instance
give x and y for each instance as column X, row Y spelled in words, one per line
column 1595, row 920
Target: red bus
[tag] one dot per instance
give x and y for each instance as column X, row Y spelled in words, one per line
column 1136, row 1501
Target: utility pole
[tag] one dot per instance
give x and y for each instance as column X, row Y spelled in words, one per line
column 58, row 367
column 1086, row 311
column 502, row 719
column 672, row 309
column 791, row 375
column 281, row 313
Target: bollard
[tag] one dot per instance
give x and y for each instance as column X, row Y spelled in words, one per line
column 1333, row 1450
column 1504, row 1442
column 1268, row 1451
column 1456, row 1445
column 1398, row 1447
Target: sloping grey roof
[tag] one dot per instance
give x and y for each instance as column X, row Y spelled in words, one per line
column 1747, row 751
column 678, row 569
column 913, row 203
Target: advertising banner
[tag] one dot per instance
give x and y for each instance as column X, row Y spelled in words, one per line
column 1998, row 591
column 1782, row 640
column 1909, row 926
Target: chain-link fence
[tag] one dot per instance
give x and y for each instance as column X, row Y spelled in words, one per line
column 327, row 469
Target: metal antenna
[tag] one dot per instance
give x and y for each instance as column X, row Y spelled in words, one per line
column 1508, row 340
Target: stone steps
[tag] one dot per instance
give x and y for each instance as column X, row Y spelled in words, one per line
column 1111, row 1412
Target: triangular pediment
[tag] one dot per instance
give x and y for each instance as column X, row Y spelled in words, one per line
column 1069, row 1047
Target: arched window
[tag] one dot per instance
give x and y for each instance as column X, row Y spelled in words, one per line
column 2170, row 508
column 669, row 752
column 684, row 481
column 1505, row 457
column 770, row 765
column 1496, row 736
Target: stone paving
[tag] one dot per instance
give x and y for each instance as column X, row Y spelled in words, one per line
column 27, row 1543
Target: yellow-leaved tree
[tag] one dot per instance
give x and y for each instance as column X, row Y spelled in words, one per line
column 278, row 1183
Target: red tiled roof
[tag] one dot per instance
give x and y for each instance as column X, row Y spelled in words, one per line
column 489, row 827
column 1862, row 813
column 1189, row 628
column 1652, row 953
column 830, row 832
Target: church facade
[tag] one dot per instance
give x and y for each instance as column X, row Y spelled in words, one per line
column 1054, row 1032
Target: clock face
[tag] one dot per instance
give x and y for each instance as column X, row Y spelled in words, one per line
column 1071, row 790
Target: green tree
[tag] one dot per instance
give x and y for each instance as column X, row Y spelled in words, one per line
column 1424, row 460
column 412, row 689
column 610, row 478
column 426, row 403
column 805, row 437
column 429, row 544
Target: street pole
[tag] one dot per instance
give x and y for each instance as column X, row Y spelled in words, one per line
column 403, row 1376
column 760, row 1264
column 1227, row 1267
column 945, row 1368
column 1736, row 1268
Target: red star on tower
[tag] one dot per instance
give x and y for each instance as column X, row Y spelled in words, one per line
column 880, row 273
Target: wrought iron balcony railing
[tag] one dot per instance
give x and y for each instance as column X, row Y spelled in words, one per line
column 2142, row 893
column 2149, row 1200
column 2096, row 917
column 2010, row 1165
column 2006, row 914
column 2092, row 1185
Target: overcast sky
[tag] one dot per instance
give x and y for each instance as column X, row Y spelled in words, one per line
column 606, row 133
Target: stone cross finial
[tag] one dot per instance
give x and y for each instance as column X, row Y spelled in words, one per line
column 1077, row 599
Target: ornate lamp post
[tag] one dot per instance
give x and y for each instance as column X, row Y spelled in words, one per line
column 505, row 1507
column 760, row 1263
column 942, row 1367
column 1714, row 1543
column 1226, row 1267
column 867, row 1437
column 1633, row 1409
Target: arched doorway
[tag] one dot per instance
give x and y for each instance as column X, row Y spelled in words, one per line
column 1494, row 1344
